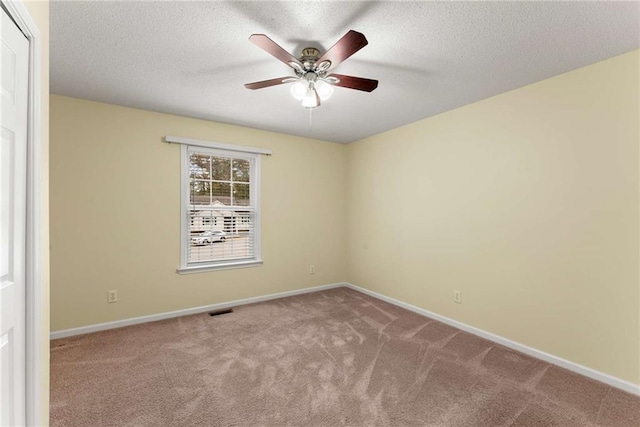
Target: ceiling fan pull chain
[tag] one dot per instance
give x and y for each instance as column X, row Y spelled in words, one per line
column 310, row 120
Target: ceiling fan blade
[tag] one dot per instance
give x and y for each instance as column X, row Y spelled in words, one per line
column 349, row 44
column 275, row 50
column 268, row 83
column 357, row 83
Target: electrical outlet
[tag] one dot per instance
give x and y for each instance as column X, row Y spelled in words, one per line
column 112, row 296
column 457, row 297
column 312, row 269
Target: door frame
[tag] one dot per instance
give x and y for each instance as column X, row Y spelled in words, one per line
column 33, row 259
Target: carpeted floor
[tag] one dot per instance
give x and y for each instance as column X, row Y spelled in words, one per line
column 330, row 358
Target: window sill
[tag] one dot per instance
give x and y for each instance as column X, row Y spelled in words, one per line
column 214, row 267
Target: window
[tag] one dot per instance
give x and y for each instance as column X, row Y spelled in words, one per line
column 220, row 209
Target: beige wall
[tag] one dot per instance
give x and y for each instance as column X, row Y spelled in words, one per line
column 527, row 202
column 115, row 214
column 39, row 11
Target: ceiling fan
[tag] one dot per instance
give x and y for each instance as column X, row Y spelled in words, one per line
column 313, row 83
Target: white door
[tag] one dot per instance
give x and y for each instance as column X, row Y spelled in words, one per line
column 13, row 154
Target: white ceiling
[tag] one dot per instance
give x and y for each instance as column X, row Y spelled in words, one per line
column 192, row 58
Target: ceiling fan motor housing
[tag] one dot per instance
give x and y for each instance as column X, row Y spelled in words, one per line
column 309, row 56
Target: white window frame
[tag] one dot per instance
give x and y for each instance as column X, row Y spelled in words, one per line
column 221, row 150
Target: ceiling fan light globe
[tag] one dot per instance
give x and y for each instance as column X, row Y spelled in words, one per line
column 310, row 100
column 299, row 90
column 324, row 90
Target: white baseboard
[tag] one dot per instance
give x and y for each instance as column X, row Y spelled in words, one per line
column 195, row 310
column 563, row 363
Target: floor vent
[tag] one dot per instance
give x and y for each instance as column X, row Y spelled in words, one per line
column 221, row 311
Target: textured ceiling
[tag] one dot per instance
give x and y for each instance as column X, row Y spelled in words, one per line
column 192, row 58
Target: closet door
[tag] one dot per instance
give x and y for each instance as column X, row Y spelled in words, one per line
column 14, row 59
